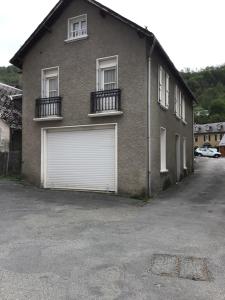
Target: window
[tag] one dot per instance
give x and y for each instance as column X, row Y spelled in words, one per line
column 50, row 82
column 177, row 101
column 216, row 137
column 196, row 139
column 183, row 108
column 179, row 104
column 77, row 27
column 107, row 73
column 221, row 136
column 206, row 138
column 163, row 87
column 163, row 150
column 185, row 153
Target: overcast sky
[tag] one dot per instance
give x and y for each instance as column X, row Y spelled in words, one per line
column 191, row 31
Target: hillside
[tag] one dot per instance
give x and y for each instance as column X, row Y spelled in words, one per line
column 9, row 75
column 208, row 85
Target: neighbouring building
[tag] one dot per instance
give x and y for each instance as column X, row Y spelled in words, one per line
column 208, row 134
column 104, row 108
column 10, row 118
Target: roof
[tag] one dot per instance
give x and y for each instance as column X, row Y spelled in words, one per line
column 222, row 142
column 209, row 128
column 9, row 90
column 17, row 59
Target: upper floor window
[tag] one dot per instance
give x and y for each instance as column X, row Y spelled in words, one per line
column 77, row 27
column 107, row 73
column 163, row 87
column 179, row 104
column 50, row 82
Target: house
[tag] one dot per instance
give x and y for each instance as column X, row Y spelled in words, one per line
column 104, row 108
column 222, row 146
column 10, row 118
column 208, row 134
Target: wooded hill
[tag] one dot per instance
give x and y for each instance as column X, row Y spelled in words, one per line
column 10, row 75
column 208, row 85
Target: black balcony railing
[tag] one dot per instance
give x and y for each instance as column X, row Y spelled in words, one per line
column 103, row 101
column 48, row 107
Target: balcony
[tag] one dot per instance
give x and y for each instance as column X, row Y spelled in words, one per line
column 106, row 103
column 48, row 109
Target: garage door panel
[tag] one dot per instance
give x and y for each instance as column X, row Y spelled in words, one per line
column 81, row 159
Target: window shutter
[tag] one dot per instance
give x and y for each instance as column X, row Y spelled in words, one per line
column 167, row 89
column 160, row 84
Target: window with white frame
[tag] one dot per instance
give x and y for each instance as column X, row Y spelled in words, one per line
column 179, row 104
column 163, row 150
column 50, row 82
column 77, row 27
column 107, row 73
column 163, row 87
column 183, row 109
column 185, row 153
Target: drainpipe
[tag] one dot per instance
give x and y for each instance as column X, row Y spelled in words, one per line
column 149, row 118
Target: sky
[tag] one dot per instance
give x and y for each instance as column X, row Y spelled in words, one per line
column 191, row 31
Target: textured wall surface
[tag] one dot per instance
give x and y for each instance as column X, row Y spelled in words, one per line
column 77, row 71
column 173, row 125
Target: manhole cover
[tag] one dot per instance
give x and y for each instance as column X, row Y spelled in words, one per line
column 165, row 265
column 182, row 267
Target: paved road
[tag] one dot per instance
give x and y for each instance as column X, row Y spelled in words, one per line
column 66, row 245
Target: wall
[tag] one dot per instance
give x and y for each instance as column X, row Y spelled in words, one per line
column 77, row 68
column 212, row 140
column 173, row 125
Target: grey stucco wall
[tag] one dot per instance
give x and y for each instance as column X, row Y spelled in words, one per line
column 173, row 125
column 77, row 72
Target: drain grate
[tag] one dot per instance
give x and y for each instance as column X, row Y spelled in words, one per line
column 191, row 268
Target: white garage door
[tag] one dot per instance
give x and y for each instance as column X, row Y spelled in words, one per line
column 83, row 159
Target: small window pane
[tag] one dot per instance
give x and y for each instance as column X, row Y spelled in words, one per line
column 110, row 76
column 83, row 24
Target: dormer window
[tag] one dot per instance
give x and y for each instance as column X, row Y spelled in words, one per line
column 219, row 126
column 77, row 28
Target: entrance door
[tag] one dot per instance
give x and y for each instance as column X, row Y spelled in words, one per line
column 178, row 164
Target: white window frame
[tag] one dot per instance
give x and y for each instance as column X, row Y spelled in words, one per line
column 163, row 87
column 71, row 21
column 179, row 104
column 183, row 109
column 43, row 79
column 163, row 147
column 185, row 153
column 99, row 68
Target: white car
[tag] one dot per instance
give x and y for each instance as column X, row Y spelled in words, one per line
column 209, row 152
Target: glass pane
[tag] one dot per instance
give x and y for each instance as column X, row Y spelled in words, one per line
column 83, row 24
column 110, row 76
column 75, row 26
column 53, row 87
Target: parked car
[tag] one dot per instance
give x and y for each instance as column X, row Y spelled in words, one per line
column 209, row 152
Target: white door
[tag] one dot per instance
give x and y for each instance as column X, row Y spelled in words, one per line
column 178, row 158
column 81, row 158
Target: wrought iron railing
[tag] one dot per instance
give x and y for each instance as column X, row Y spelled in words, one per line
column 48, row 107
column 105, row 101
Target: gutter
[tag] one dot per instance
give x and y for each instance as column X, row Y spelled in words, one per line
column 149, row 175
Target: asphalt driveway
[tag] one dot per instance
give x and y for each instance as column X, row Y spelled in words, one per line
column 67, row 245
